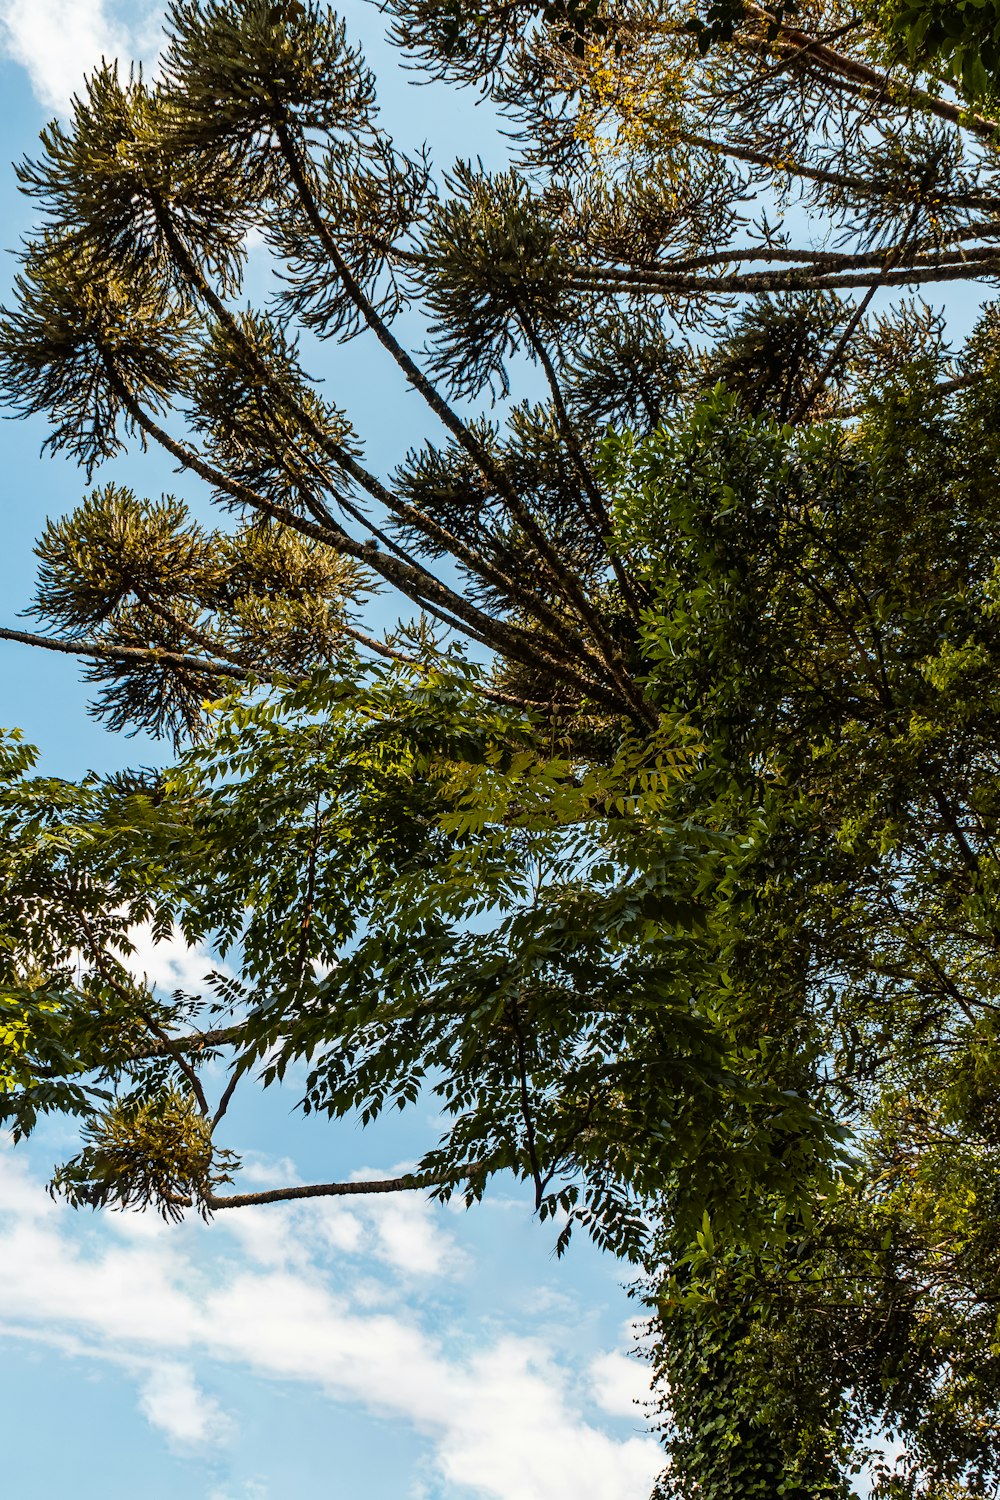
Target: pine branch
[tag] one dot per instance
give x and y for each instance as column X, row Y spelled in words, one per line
column 570, row 585
column 598, row 509
column 528, row 649
column 196, row 636
column 817, row 386
column 941, row 388
column 823, row 176
column 881, row 83
column 409, row 515
column 986, row 266
column 153, row 655
column 825, row 262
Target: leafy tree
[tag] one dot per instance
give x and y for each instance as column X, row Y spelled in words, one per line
column 658, row 842
column 960, row 37
column 826, row 612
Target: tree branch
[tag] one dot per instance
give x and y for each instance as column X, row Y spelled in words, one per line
column 199, row 1041
column 408, row 514
column 817, row 263
column 531, row 650
column 849, row 67
column 973, row 264
column 862, row 186
column 816, row 388
column 409, row 1183
column 598, row 510
column 571, row 586
column 151, row 654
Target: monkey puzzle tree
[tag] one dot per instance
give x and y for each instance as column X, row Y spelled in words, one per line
column 657, row 840
column 608, row 254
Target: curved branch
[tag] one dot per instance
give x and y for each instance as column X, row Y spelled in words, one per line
column 533, row 651
column 845, row 181
column 892, row 259
column 863, row 73
column 942, row 388
column 599, row 511
column 570, row 585
column 410, row 1182
column 345, row 460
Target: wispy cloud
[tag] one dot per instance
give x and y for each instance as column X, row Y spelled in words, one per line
column 58, row 41
column 506, row 1416
column 172, row 1401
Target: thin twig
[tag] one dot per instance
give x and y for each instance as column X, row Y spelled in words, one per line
column 819, row 383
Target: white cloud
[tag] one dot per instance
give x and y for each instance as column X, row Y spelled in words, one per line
column 171, row 964
column 619, row 1384
column 409, row 1237
column 516, row 1437
column 169, row 1396
column 58, row 41
column 501, row 1413
column 340, row 1228
column 172, row 1401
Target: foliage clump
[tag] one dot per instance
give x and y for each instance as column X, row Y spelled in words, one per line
column 154, row 1152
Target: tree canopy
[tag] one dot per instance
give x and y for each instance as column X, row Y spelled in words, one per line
column 960, row 38
column 657, row 840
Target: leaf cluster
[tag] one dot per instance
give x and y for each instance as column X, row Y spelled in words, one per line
column 825, row 620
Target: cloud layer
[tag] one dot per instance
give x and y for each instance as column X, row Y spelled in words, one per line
column 296, row 1294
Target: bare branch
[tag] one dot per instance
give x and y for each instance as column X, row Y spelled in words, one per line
column 409, row 1183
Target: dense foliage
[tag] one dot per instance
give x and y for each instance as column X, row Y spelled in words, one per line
column 962, row 37
column 826, row 613
column 658, row 841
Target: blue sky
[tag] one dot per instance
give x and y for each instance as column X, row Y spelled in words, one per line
column 389, row 1348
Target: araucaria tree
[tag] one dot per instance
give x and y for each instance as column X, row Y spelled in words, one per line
column 658, row 840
